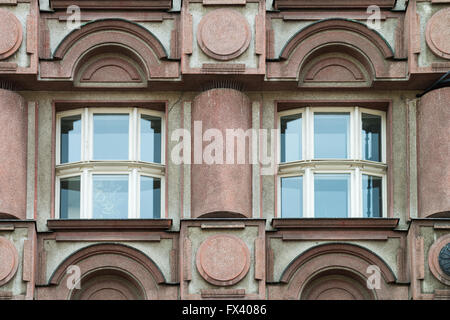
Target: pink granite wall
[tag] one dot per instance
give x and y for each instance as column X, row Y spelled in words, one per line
column 221, row 190
column 13, row 155
column 433, row 152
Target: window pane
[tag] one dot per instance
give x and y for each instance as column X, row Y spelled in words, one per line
column 291, row 138
column 150, row 198
column 150, row 138
column 111, row 136
column 110, row 197
column 331, row 195
column 69, row 203
column 292, row 197
column 70, row 139
column 371, row 137
column 331, row 135
column 372, row 196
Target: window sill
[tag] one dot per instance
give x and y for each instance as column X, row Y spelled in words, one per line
column 335, row 223
column 334, row 164
column 103, row 224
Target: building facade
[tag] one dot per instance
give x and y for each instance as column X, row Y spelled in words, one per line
column 224, row 149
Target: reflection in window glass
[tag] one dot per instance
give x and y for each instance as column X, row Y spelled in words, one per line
column 331, row 135
column 292, row 197
column 111, row 136
column 70, row 139
column 372, row 196
column 371, row 137
column 291, row 137
column 332, row 195
column 110, row 196
column 150, row 138
column 150, row 198
column 69, row 203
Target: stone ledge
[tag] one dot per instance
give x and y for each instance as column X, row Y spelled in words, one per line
column 334, row 4
column 96, row 224
column 114, row 4
column 341, row 223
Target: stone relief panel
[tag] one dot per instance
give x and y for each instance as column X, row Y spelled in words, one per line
column 223, row 259
column 223, row 34
column 439, row 259
column 438, row 33
column 18, row 37
column 11, row 34
column 227, row 40
column 9, row 258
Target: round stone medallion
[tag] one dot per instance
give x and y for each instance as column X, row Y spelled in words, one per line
column 438, row 33
column 223, row 259
column 8, row 260
column 444, row 259
column 10, row 34
column 439, row 259
column 223, row 34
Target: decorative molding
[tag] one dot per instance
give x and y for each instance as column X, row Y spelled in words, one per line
column 99, row 250
column 333, row 4
column 223, row 34
column 334, row 70
column 9, row 258
column 433, row 259
column 337, row 24
column 10, row 34
column 222, row 293
column 94, row 224
column 223, row 68
column 354, row 251
column 109, row 25
column 340, row 36
column 336, row 223
column 113, row 4
column 187, row 250
column 223, row 260
column 419, row 263
column 110, row 36
column 437, row 33
column 110, row 70
column 224, row 2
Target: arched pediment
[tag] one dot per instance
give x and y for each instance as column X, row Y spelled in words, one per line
column 108, row 257
column 340, row 36
column 112, row 36
column 336, row 258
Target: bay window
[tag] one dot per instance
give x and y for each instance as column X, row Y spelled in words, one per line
column 332, row 163
column 109, row 163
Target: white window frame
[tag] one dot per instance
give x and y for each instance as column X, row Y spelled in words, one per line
column 354, row 164
column 88, row 167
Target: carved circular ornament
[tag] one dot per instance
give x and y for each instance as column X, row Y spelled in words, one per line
column 10, row 34
column 444, row 259
column 439, row 259
column 223, row 34
column 438, row 33
column 8, row 260
column 223, row 260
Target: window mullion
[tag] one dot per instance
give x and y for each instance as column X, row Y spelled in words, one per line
column 309, row 124
column 355, row 135
column 356, row 194
column 308, row 192
column 133, row 135
column 86, row 195
column 89, row 138
column 132, row 190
